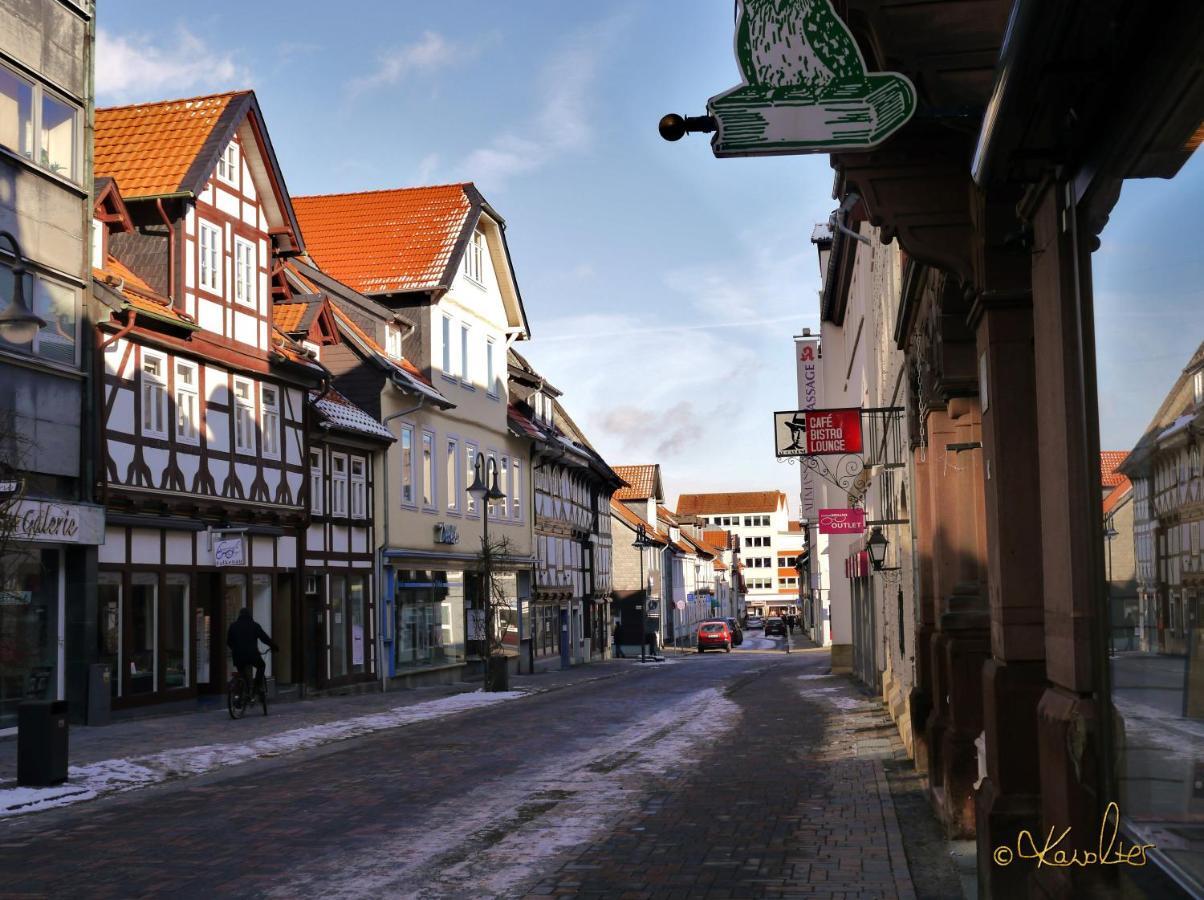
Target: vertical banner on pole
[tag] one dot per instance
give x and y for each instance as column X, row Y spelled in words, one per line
column 810, row 390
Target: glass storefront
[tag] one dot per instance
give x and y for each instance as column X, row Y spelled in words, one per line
column 145, row 631
column 29, row 629
column 429, row 618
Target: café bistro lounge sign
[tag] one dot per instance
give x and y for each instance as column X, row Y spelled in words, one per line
column 45, row 521
column 805, row 86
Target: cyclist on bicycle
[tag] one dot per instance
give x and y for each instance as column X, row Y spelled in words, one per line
column 243, row 640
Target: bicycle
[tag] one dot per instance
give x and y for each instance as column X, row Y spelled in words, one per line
column 240, row 695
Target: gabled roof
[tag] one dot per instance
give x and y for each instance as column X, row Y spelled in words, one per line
column 109, row 206
column 297, row 314
column 339, row 413
column 170, row 148
column 403, row 371
column 644, row 482
column 718, row 538
column 727, row 503
column 137, row 295
column 633, row 521
column 1117, row 495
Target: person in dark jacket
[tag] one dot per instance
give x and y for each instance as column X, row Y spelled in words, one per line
column 243, row 640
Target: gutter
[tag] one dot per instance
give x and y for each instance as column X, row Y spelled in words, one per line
column 997, row 118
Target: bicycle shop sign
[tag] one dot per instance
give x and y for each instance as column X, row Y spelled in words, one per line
column 817, row 432
column 42, row 521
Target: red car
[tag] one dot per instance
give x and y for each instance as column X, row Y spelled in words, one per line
column 714, row 636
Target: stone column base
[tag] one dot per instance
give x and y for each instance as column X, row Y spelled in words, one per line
column 842, row 659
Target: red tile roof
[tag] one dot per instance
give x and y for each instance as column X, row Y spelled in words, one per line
column 1117, row 494
column 287, row 316
column 1108, row 462
column 149, row 148
column 137, row 293
column 718, row 538
column 641, row 481
column 726, row 504
column 635, row 521
column 386, row 241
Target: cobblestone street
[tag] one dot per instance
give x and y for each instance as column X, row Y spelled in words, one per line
column 753, row 774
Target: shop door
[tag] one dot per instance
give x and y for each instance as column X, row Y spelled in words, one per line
column 314, row 639
column 209, row 636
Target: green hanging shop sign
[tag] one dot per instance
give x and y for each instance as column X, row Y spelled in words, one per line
column 805, row 89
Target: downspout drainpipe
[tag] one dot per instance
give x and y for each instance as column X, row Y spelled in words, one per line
column 380, row 564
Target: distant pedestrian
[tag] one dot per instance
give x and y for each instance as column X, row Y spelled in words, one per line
column 618, row 646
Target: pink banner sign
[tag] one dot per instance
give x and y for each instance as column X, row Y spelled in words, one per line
column 841, row 521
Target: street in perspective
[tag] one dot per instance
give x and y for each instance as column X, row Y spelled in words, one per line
column 631, row 450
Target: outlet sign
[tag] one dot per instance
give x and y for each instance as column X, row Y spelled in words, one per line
column 842, row 521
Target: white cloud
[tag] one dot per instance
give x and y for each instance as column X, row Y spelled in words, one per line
column 430, row 52
column 132, row 68
column 561, row 122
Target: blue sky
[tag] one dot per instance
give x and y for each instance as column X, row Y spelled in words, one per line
column 663, row 286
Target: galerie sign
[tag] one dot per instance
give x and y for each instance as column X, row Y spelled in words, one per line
column 817, row 432
column 44, row 521
column 805, row 86
column 841, row 521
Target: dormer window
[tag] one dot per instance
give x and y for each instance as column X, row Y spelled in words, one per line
column 98, row 244
column 393, row 342
column 474, row 258
column 227, row 164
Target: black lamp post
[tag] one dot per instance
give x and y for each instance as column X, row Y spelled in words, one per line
column 18, row 324
column 640, row 543
column 876, row 546
column 485, row 496
column 1110, row 532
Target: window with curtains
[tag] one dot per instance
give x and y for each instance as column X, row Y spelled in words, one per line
column 154, row 394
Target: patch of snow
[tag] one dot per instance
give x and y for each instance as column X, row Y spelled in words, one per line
column 118, row 775
column 489, row 842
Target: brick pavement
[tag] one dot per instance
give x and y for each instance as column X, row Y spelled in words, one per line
column 789, row 799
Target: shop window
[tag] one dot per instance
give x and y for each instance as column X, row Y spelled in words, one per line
column 29, row 630
column 429, row 619
column 356, row 603
column 154, row 394
column 269, row 416
column 108, row 626
column 359, row 489
column 174, row 631
column 261, row 609
column 187, row 404
column 337, row 631
column 144, row 625
column 338, row 485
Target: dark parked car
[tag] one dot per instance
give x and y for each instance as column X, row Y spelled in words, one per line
column 775, row 625
column 714, row 636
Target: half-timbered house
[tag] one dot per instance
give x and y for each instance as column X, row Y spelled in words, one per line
column 570, row 610
column 204, row 403
column 436, row 259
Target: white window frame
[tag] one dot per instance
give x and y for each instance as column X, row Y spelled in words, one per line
column 209, row 276
column 490, row 374
column 338, row 485
column 269, row 421
column 359, row 488
column 393, row 342
column 36, row 149
column 471, row 452
column 503, row 481
column 242, row 414
column 453, row 473
column 516, row 484
column 428, row 470
column 408, row 459
column 98, row 244
column 474, row 258
column 447, row 347
column 188, row 403
column 228, row 165
column 316, row 487
column 491, row 456
column 465, row 342
column 154, row 389
column 246, row 267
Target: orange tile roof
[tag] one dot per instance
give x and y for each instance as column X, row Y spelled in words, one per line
column 386, row 241
column 742, row 502
column 287, row 316
column 149, row 148
column 634, row 521
column 1108, row 462
column 641, row 481
column 1117, row 494
column 719, row 565
column 137, row 293
column 718, row 538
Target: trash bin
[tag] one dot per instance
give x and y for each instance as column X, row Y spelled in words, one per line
column 41, row 743
column 100, row 694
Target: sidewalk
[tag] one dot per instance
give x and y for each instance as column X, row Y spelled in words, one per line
column 135, row 753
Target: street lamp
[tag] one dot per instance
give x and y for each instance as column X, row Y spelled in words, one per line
column 642, row 542
column 876, row 546
column 485, row 496
column 18, row 324
column 1110, row 532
